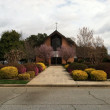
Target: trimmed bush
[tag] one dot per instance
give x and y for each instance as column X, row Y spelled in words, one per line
column 42, row 64
column 76, row 66
column 8, row 72
column 24, row 76
column 89, row 70
column 98, row 75
column 40, row 68
column 105, row 67
column 32, row 74
column 21, row 68
column 36, row 71
column 32, row 67
column 79, row 75
column 66, row 66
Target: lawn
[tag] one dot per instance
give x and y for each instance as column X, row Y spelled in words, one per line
column 7, row 81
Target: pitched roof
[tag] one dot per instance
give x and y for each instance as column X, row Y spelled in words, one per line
column 69, row 40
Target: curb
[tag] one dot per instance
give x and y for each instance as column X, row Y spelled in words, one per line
column 54, row 85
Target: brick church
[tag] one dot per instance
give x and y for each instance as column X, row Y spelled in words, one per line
column 56, row 40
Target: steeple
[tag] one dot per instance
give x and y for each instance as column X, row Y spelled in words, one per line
column 56, row 25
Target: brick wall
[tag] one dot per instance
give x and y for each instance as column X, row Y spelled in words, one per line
column 64, row 43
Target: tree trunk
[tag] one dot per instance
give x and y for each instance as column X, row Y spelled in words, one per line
column 66, row 61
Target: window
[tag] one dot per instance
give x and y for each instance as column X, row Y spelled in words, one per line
column 56, row 42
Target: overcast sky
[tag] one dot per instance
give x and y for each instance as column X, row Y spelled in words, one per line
column 40, row 16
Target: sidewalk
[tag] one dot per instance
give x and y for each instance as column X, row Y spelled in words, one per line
column 53, row 75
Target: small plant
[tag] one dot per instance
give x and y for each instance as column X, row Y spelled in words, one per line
column 42, row 65
column 32, row 74
column 40, row 68
column 21, row 68
column 79, row 75
column 105, row 67
column 98, row 75
column 76, row 66
column 25, row 76
column 8, row 72
column 66, row 66
column 32, row 67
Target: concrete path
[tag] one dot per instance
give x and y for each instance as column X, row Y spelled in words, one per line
column 53, row 75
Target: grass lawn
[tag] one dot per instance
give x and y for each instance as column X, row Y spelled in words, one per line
column 7, row 81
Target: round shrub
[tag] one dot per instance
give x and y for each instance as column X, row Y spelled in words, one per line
column 76, row 66
column 40, row 68
column 8, row 72
column 24, row 76
column 32, row 67
column 36, row 71
column 105, row 67
column 66, row 66
column 79, row 75
column 21, row 68
column 32, row 74
column 43, row 65
column 89, row 70
column 98, row 75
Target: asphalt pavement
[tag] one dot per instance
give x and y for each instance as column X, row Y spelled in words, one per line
column 54, row 98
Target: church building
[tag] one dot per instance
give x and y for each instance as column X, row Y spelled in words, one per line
column 56, row 40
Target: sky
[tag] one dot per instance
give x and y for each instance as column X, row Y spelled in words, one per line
column 39, row 16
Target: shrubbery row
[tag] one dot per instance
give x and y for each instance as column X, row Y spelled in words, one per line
column 22, row 72
column 81, row 71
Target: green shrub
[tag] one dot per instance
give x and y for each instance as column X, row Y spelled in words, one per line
column 32, row 74
column 98, row 75
column 79, row 75
column 89, row 70
column 8, row 72
column 21, row 68
column 24, row 76
column 76, row 66
column 105, row 67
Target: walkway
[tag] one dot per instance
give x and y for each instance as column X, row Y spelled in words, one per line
column 53, row 75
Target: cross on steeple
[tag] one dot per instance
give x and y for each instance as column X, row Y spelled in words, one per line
column 56, row 25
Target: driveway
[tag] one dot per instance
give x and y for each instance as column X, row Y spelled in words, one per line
column 53, row 75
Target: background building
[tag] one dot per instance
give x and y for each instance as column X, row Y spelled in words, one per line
column 56, row 40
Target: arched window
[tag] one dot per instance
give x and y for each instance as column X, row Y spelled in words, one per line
column 56, row 42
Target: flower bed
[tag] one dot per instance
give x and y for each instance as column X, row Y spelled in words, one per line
column 21, row 72
column 81, row 72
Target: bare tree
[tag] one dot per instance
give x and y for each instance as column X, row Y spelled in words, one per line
column 84, row 41
column 66, row 52
column 45, row 52
column 98, row 51
column 14, row 56
column 90, row 47
column 30, row 51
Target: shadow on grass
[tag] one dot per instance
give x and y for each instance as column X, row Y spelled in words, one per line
column 7, row 81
